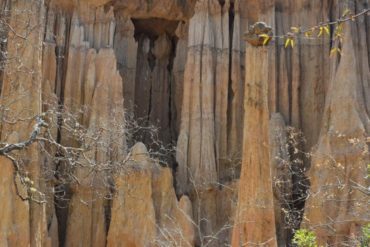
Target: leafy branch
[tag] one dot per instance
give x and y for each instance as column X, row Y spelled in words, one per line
column 317, row 31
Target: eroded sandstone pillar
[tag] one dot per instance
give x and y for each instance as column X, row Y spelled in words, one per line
column 104, row 97
column 145, row 210
column 204, row 80
column 338, row 204
column 281, row 173
column 255, row 219
column 22, row 222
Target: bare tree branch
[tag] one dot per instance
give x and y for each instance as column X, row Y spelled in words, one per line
column 40, row 123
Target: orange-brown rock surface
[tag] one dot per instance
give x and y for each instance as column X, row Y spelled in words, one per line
column 145, row 211
column 104, row 94
column 281, row 175
column 337, row 210
column 23, row 221
column 250, row 142
column 255, row 214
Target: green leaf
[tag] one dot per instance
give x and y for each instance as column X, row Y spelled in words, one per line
column 346, row 12
column 308, row 33
column 333, row 51
column 304, row 238
column 295, row 29
column 266, row 38
column 264, row 35
column 320, row 32
column 287, row 42
column 365, row 241
column 327, row 30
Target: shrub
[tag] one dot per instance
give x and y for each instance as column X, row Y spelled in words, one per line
column 304, row 238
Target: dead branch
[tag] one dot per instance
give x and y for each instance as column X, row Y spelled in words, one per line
column 40, row 123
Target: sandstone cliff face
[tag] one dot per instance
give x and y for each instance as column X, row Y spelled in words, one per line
column 341, row 158
column 146, row 211
column 87, row 199
column 23, row 222
column 255, row 220
column 236, row 176
column 281, row 176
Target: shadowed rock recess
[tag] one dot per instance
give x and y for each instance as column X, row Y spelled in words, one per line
column 252, row 142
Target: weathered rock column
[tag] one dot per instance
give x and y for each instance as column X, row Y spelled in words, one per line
column 145, row 211
column 235, row 124
column 203, row 115
column 22, row 222
column 281, row 176
column 125, row 48
column 106, row 112
column 255, row 220
column 338, row 205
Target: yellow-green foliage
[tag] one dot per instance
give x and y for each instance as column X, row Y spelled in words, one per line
column 304, row 238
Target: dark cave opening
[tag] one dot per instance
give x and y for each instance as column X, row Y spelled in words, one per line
column 153, row 101
column 154, row 27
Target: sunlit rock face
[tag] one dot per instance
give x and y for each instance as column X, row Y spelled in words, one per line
column 244, row 133
column 341, row 157
column 254, row 219
column 146, row 211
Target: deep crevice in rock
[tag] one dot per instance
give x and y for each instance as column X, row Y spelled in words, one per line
column 153, row 83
